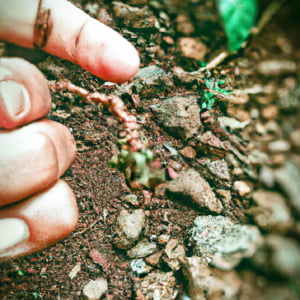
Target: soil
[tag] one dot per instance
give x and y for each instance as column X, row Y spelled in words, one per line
column 100, row 189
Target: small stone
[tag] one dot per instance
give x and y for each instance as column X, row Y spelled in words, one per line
column 135, row 17
column 99, row 259
column 242, row 188
column 277, row 160
column 142, row 249
column 129, row 226
column 267, row 176
column 208, row 283
column 188, row 152
column 140, row 267
column 219, row 168
column 277, row 67
column 153, row 260
column 222, row 243
column 295, row 138
column 279, row 255
column 224, row 196
column 131, row 199
column 279, row 146
column 272, row 127
column 163, row 239
column 156, row 285
column 192, row 47
column 288, row 178
column 271, row 212
column 174, row 254
column 179, row 115
column 270, row 112
column 75, row 271
column 184, row 25
column 191, row 186
column 95, row 289
column 232, row 124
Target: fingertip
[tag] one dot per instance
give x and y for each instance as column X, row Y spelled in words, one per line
column 105, row 53
column 39, row 221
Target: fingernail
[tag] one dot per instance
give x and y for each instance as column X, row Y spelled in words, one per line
column 15, row 99
column 12, row 232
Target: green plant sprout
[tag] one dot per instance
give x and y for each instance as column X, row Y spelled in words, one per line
column 135, row 159
column 239, row 18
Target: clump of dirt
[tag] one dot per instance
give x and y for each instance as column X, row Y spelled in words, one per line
column 241, row 151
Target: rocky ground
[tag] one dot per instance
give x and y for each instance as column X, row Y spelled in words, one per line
column 227, row 225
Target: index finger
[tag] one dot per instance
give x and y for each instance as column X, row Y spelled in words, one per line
column 70, row 34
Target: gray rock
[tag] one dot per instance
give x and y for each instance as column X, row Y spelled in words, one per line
column 222, row 243
column 279, row 146
column 232, row 124
column 140, row 267
column 208, row 283
column 271, row 212
column 128, row 228
column 94, row 289
column 134, row 17
column 142, row 249
column 156, row 286
column 279, row 255
column 276, row 67
column 179, row 115
column 191, row 186
column 149, row 80
column 288, row 178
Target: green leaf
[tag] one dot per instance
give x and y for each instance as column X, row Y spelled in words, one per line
column 238, row 17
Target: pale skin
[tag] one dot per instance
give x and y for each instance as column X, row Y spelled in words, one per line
column 38, row 209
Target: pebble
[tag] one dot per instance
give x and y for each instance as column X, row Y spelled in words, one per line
column 184, row 25
column 232, row 124
column 153, row 259
column 179, row 115
column 191, row 186
column 295, row 138
column 279, row 255
column 192, row 48
column 271, row 211
column 94, row 289
column 174, row 254
column 142, row 249
column 267, row 176
column 139, row 267
column 221, row 242
column 279, row 146
column 208, row 283
column 163, row 239
column 156, row 286
column 288, row 177
column 242, row 188
column 188, row 152
column 270, row 112
column 276, row 67
column 134, row 17
column 129, row 226
column 131, row 199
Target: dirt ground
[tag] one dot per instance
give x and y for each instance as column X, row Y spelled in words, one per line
column 270, row 106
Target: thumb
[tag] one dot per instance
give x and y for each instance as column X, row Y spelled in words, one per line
column 24, row 94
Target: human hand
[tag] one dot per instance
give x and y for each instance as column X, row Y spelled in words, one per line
column 38, row 209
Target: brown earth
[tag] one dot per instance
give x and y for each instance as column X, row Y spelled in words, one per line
column 99, row 189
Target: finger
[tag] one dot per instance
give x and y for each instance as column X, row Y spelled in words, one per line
column 37, row 222
column 71, row 34
column 32, row 158
column 24, row 95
